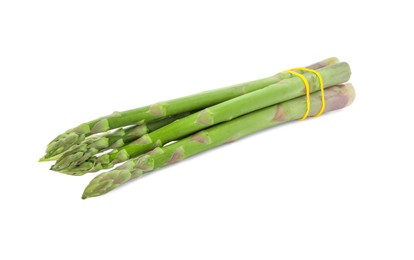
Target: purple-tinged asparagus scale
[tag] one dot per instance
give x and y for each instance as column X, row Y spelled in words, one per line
column 336, row 97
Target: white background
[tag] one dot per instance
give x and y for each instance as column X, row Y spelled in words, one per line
column 337, row 187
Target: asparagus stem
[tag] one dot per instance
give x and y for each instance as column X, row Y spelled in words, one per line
column 76, row 135
column 101, row 143
column 336, row 97
column 287, row 89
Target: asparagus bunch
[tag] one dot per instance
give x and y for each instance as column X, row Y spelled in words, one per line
column 336, row 97
column 76, row 135
column 198, row 123
column 290, row 87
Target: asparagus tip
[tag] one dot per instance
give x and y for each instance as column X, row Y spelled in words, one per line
column 46, row 159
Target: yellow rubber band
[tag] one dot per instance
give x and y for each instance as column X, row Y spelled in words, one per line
column 321, row 88
column 305, row 81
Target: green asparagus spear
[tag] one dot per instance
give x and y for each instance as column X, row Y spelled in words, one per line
column 101, row 143
column 76, row 135
column 289, row 88
column 337, row 97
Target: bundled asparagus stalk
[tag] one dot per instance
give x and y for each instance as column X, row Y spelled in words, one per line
column 290, row 87
column 74, row 136
column 336, row 97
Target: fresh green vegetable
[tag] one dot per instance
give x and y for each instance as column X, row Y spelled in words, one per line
column 289, row 88
column 336, row 97
column 76, row 135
